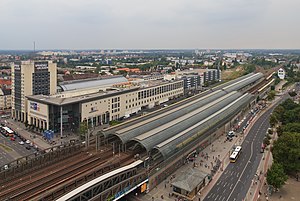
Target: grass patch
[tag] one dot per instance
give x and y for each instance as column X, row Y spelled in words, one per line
column 113, row 123
column 231, row 74
column 5, row 148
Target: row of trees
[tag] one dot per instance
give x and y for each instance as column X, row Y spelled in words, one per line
column 286, row 149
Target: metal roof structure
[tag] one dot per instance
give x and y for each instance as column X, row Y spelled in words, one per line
column 174, row 144
column 90, row 83
column 135, row 130
column 244, row 82
column 168, row 130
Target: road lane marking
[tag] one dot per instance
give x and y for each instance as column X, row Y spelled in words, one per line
column 242, row 172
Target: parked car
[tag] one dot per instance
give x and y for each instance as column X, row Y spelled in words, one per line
column 12, row 139
column 28, row 142
column 28, row 147
column 230, row 134
column 17, row 134
column 5, row 167
column 21, row 143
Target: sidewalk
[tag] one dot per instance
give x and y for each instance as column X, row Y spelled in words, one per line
column 36, row 138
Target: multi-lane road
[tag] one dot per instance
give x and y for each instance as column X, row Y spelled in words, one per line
column 236, row 179
column 11, row 150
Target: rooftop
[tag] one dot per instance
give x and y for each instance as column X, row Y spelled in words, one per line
column 59, row 100
column 92, row 82
column 189, row 179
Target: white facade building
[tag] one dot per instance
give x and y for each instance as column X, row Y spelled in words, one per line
column 281, row 73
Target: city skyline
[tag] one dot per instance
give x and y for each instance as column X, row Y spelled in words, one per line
column 167, row 24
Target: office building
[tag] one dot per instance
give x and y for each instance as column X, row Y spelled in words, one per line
column 30, row 78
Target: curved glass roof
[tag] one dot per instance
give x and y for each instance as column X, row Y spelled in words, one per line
column 82, row 84
column 182, row 139
column 168, row 130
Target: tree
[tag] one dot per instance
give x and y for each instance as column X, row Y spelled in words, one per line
column 292, row 93
column 286, row 151
column 289, row 104
column 266, row 141
column 83, row 129
column 292, row 127
column 278, row 112
column 276, row 175
column 273, row 120
column 26, row 123
column 271, row 95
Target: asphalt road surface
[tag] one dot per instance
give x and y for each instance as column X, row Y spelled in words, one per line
column 6, row 156
column 236, row 179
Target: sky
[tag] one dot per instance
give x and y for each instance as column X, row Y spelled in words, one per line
column 149, row 24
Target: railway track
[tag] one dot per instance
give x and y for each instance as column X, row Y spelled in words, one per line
column 44, row 195
column 12, row 188
column 31, row 175
column 43, row 179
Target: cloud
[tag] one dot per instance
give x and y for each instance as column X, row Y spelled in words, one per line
column 149, row 24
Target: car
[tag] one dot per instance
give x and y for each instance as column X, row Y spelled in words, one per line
column 21, row 143
column 35, row 146
column 230, row 134
column 27, row 142
column 262, row 150
column 28, row 147
column 17, row 134
column 31, row 144
column 12, row 139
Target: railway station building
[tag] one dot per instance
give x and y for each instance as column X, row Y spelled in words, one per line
column 97, row 102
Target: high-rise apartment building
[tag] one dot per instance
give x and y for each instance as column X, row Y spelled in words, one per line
column 31, row 78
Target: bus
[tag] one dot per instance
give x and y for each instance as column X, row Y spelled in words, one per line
column 235, row 154
column 7, row 132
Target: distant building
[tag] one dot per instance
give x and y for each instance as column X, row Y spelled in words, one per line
column 5, row 99
column 192, row 82
column 212, row 75
column 281, row 73
column 86, row 67
column 5, row 83
column 134, row 70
